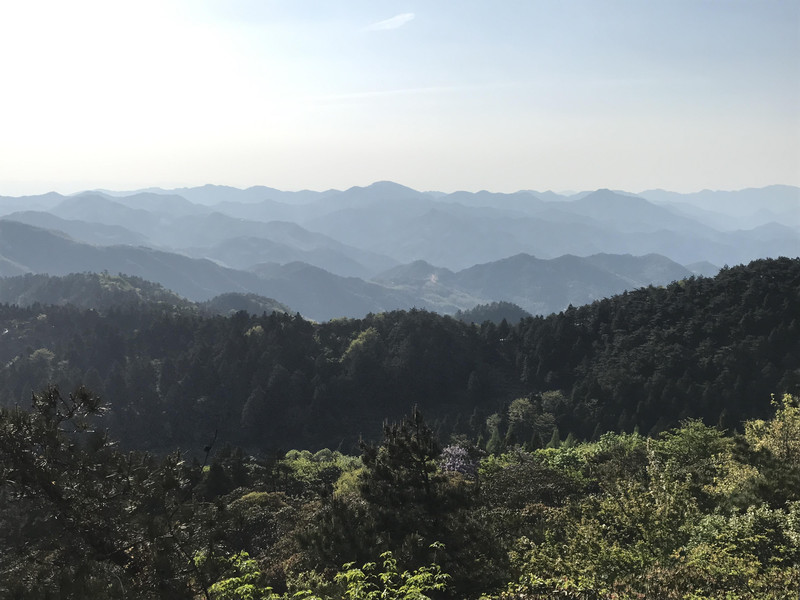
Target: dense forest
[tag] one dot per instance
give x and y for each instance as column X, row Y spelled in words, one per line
column 643, row 446
column 173, row 376
column 495, row 312
column 693, row 513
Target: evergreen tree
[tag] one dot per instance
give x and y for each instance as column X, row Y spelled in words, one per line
column 555, row 439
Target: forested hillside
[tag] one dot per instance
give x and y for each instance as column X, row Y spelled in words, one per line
column 638, row 447
column 707, row 348
column 693, row 513
column 104, row 291
column 496, row 312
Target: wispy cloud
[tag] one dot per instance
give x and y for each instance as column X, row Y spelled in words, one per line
column 394, row 23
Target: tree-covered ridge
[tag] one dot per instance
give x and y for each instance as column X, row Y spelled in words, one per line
column 496, row 312
column 103, row 291
column 707, row 348
column 694, row 512
column 99, row 291
column 232, row 302
column 702, row 347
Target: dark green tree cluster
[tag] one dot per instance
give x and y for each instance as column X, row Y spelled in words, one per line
column 700, row 348
column 496, row 312
column 80, row 518
column 100, row 291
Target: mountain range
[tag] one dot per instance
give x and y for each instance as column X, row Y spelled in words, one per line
column 386, row 246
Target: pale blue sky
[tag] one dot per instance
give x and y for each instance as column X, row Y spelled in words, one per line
column 528, row 94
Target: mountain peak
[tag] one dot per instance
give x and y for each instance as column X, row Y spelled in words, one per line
column 383, row 187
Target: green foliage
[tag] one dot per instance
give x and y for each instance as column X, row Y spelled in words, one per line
column 623, row 517
column 402, row 470
column 555, row 439
column 781, row 435
column 99, row 291
column 321, row 472
column 657, row 527
column 85, row 519
column 239, row 578
column 367, row 583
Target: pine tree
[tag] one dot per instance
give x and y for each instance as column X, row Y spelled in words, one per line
column 555, row 439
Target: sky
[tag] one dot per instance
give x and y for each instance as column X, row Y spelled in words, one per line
column 436, row 95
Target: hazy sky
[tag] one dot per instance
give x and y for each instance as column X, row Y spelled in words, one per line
column 437, row 95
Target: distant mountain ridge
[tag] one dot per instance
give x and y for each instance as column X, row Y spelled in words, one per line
column 43, row 251
column 473, row 247
column 538, row 286
column 454, row 230
column 98, row 234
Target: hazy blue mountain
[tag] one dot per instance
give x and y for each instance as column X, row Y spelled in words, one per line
column 415, row 273
column 703, row 268
column 43, row 251
column 95, row 208
column 523, row 202
column 385, row 223
column 266, row 210
column 91, row 233
column 296, row 236
column 9, row 268
column 682, row 247
column 245, row 252
column 168, row 204
column 160, row 228
column 780, row 239
column 10, row 204
column 330, row 242
column 720, row 222
column 768, row 232
column 544, row 286
column 212, row 195
column 433, row 287
column 320, row 295
column 549, row 195
column 640, row 271
column 208, row 234
column 387, row 195
column 464, row 231
column 456, row 237
column 537, row 285
column 344, row 215
column 751, row 206
column 283, row 242
column 629, row 213
column 211, row 228
column 439, row 234
column 204, row 230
